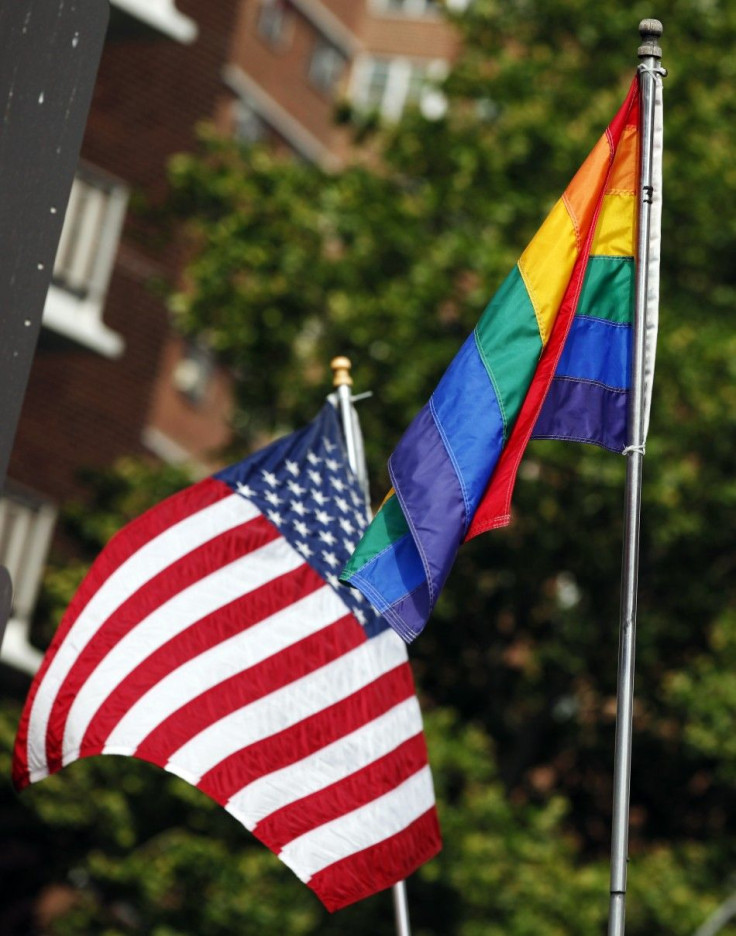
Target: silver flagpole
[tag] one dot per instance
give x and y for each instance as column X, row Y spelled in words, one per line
column 649, row 75
column 343, row 382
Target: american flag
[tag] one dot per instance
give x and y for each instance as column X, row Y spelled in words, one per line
column 211, row 637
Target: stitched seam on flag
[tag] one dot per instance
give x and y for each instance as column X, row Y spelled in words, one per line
column 417, row 538
column 596, row 256
column 537, row 313
column 589, row 380
column 455, row 465
column 404, row 631
column 603, row 321
column 378, row 555
column 370, row 592
column 573, row 218
column 552, row 436
column 491, row 377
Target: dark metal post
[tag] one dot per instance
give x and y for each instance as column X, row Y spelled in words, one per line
column 49, row 54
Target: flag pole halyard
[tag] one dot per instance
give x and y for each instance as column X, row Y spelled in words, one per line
column 650, row 54
column 343, row 382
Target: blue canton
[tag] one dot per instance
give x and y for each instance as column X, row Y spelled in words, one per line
column 304, row 486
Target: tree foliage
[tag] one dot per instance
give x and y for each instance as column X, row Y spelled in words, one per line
column 391, row 261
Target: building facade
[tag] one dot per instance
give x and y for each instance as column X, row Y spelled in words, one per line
column 111, row 377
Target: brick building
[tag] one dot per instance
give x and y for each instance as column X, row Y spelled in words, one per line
column 293, row 61
column 110, row 376
column 106, row 332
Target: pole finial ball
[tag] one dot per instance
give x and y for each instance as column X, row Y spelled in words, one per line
column 341, row 372
column 650, row 31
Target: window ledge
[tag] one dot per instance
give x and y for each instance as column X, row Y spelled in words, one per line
column 162, row 15
column 17, row 651
column 80, row 320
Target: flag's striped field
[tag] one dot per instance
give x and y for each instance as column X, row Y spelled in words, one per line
column 205, row 642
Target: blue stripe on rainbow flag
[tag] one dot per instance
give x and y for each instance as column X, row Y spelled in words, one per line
column 597, row 350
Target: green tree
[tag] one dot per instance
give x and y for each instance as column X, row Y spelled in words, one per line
column 392, row 264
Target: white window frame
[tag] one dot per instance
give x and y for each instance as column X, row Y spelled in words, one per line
column 409, row 8
column 84, row 262
column 26, row 527
column 335, row 69
column 395, row 96
column 285, row 13
column 162, row 15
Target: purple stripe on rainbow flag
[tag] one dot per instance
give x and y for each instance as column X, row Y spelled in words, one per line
column 582, row 411
column 438, row 497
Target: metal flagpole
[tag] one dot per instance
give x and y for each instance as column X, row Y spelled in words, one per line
column 343, row 382
column 649, row 72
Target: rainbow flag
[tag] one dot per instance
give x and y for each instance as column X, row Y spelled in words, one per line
column 549, row 358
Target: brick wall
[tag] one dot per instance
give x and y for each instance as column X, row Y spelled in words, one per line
column 81, row 408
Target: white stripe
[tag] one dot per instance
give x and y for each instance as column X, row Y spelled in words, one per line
column 235, row 655
column 328, row 765
column 148, row 561
column 651, row 323
column 373, row 823
column 176, row 615
column 288, row 706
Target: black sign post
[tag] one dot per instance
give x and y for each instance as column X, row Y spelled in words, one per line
column 49, row 55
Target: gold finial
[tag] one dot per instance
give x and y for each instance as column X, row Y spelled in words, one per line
column 341, row 372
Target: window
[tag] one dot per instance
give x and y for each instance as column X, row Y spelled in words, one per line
column 193, row 373
column 84, row 261
column 274, row 23
column 249, row 126
column 326, row 66
column 389, row 85
column 407, row 7
column 26, row 525
column 90, row 236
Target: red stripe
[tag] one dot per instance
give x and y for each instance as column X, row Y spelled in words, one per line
column 126, row 542
column 494, row 509
column 307, row 736
column 380, row 866
column 344, row 796
column 248, row 686
column 238, row 616
column 196, row 565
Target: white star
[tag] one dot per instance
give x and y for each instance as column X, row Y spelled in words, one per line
column 301, row 528
column 304, row 550
column 275, row 517
column 347, row 526
column 319, row 497
column 349, row 546
column 292, row 467
column 331, row 559
column 333, row 580
column 356, row 499
column 298, row 508
column 342, row 504
column 360, row 615
column 329, row 446
column 245, row 489
column 273, row 498
column 338, row 484
column 314, row 476
column 322, row 517
column 296, row 488
column 327, row 537
column 313, row 459
column 270, row 478
column 332, row 465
